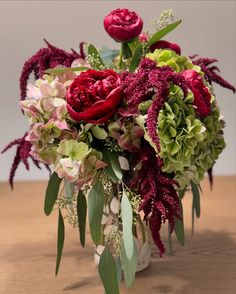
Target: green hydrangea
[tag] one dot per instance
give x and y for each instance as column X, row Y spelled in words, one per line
column 189, row 146
column 73, row 149
column 166, row 57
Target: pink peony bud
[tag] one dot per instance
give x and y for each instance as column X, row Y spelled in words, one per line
column 143, row 37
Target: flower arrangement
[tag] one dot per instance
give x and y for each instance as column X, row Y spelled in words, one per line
column 124, row 135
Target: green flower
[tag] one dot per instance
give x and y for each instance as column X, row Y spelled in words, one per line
column 73, row 149
column 165, row 57
column 189, row 146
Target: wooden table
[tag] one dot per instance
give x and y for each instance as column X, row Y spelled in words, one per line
column 206, row 264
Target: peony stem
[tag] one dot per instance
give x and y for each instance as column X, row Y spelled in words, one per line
column 121, row 55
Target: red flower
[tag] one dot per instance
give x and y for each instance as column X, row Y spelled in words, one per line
column 162, row 44
column 123, row 24
column 201, row 93
column 94, row 96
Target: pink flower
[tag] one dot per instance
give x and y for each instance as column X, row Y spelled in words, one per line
column 123, row 25
column 162, row 44
column 143, row 37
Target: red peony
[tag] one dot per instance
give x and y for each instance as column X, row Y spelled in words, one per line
column 162, row 44
column 94, row 96
column 202, row 96
column 123, row 25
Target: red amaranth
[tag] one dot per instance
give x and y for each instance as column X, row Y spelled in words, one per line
column 44, row 59
column 151, row 82
column 160, row 202
column 22, row 155
column 210, row 71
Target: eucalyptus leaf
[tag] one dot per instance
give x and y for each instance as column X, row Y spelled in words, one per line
column 179, row 231
column 109, row 54
column 127, row 222
column 51, row 193
column 60, row 240
column 95, row 58
column 179, row 227
column 196, row 199
column 69, row 189
column 181, row 193
column 113, row 166
column 118, row 270
column 95, row 211
column 160, row 34
column 138, row 54
column 107, row 272
column 98, row 132
column 129, row 266
column 59, row 70
column 82, row 213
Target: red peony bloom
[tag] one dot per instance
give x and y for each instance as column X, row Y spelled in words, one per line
column 201, row 93
column 162, row 44
column 94, row 96
column 123, row 25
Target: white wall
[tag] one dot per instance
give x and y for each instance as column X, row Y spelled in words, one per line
column 208, row 28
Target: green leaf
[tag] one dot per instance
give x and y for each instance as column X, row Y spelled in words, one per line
column 107, row 272
column 60, row 240
column 59, row 70
column 138, row 54
column 127, row 53
column 179, row 231
column 82, row 212
column 95, row 58
column 129, row 266
column 196, row 199
column 108, row 54
column 179, row 227
column 127, row 222
column 98, row 132
column 95, row 211
column 160, row 34
column 51, row 193
column 118, row 270
column 181, row 193
column 113, row 166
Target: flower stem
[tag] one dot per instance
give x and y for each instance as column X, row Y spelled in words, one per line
column 121, row 63
column 142, row 227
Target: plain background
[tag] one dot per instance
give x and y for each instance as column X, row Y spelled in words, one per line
column 208, row 28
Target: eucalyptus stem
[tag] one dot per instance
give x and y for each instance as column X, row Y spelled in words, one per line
column 134, row 229
column 142, row 227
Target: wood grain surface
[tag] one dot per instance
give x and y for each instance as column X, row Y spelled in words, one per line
column 206, row 264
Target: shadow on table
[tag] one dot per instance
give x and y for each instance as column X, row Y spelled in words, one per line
column 206, row 264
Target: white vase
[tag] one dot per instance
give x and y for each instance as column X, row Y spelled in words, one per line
column 144, row 254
